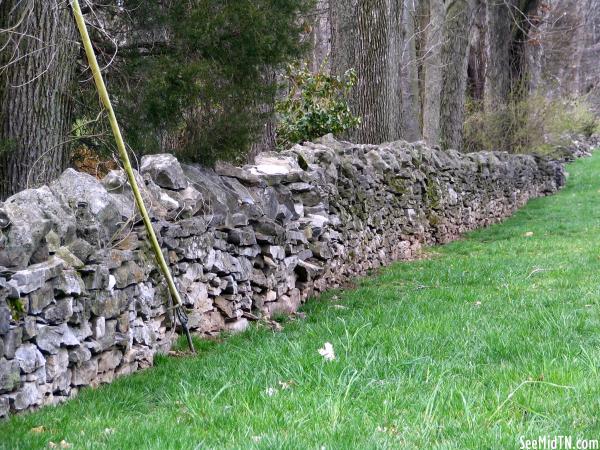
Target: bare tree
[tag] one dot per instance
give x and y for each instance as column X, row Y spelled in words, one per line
column 457, row 24
column 410, row 126
column 499, row 40
column 432, row 70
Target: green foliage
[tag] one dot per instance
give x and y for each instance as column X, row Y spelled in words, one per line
column 93, row 135
column 315, row 105
column 572, row 116
column 533, row 124
column 17, row 309
column 198, row 91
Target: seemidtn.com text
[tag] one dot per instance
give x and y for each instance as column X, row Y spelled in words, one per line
column 557, row 443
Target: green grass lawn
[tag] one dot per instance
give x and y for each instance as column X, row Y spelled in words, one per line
column 493, row 338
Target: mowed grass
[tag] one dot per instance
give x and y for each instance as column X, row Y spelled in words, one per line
column 494, row 337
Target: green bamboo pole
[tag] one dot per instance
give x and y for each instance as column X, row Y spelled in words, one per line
column 103, row 92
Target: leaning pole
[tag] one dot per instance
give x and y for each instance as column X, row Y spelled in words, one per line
column 103, row 92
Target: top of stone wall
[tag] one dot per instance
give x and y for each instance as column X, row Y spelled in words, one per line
column 77, row 215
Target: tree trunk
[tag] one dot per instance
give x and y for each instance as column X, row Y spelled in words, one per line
column 395, row 82
column 410, row 127
column 498, row 61
column 344, row 34
column 360, row 41
column 36, row 84
column 477, row 56
column 320, row 37
column 432, row 67
column 377, row 38
column 266, row 140
column 454, row 71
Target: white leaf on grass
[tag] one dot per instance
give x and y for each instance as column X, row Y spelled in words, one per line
column 389, row 430
column 327, row 352
column 61, row 444
column 286, row 384
column 271, row 391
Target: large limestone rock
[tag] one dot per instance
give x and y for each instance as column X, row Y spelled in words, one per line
column 27, row 218
column 97, row 212
column 50, row 339
column 165, row 171
column 35, row 276
column 29, row 358
column 9, row 375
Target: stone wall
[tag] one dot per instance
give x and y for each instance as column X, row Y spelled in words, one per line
column 243, row 243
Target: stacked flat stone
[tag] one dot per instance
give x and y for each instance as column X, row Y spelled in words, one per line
column 243, row 243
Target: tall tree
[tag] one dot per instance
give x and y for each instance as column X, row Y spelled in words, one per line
column 499, row 39
column 432, row 70
column 457, row 24
column 37, row 71
column 377, row 38
column 207, row 78
column 360, row 41
column 410, row 126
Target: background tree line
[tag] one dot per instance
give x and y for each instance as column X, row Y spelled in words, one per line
column 466, row 74
column 202, row 78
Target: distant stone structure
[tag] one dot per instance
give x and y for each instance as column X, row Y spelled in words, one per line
column 242, row 243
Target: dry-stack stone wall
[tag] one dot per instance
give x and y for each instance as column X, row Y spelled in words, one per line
column 81, row 301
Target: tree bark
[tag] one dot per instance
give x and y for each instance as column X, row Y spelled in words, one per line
column 372, row 100
column 344, row 34
column 432, row 68
column 498, row 61
column 36, row 82
column 266, row 140
column 320, row 37
column 377, row 38
column 410, row 127
column 395, row 83
column 454, row 71
column 477, row 56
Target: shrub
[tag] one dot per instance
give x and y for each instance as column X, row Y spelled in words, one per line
column 190, row 77
column 572, row 117
column 534, row 124
column 315, row 105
